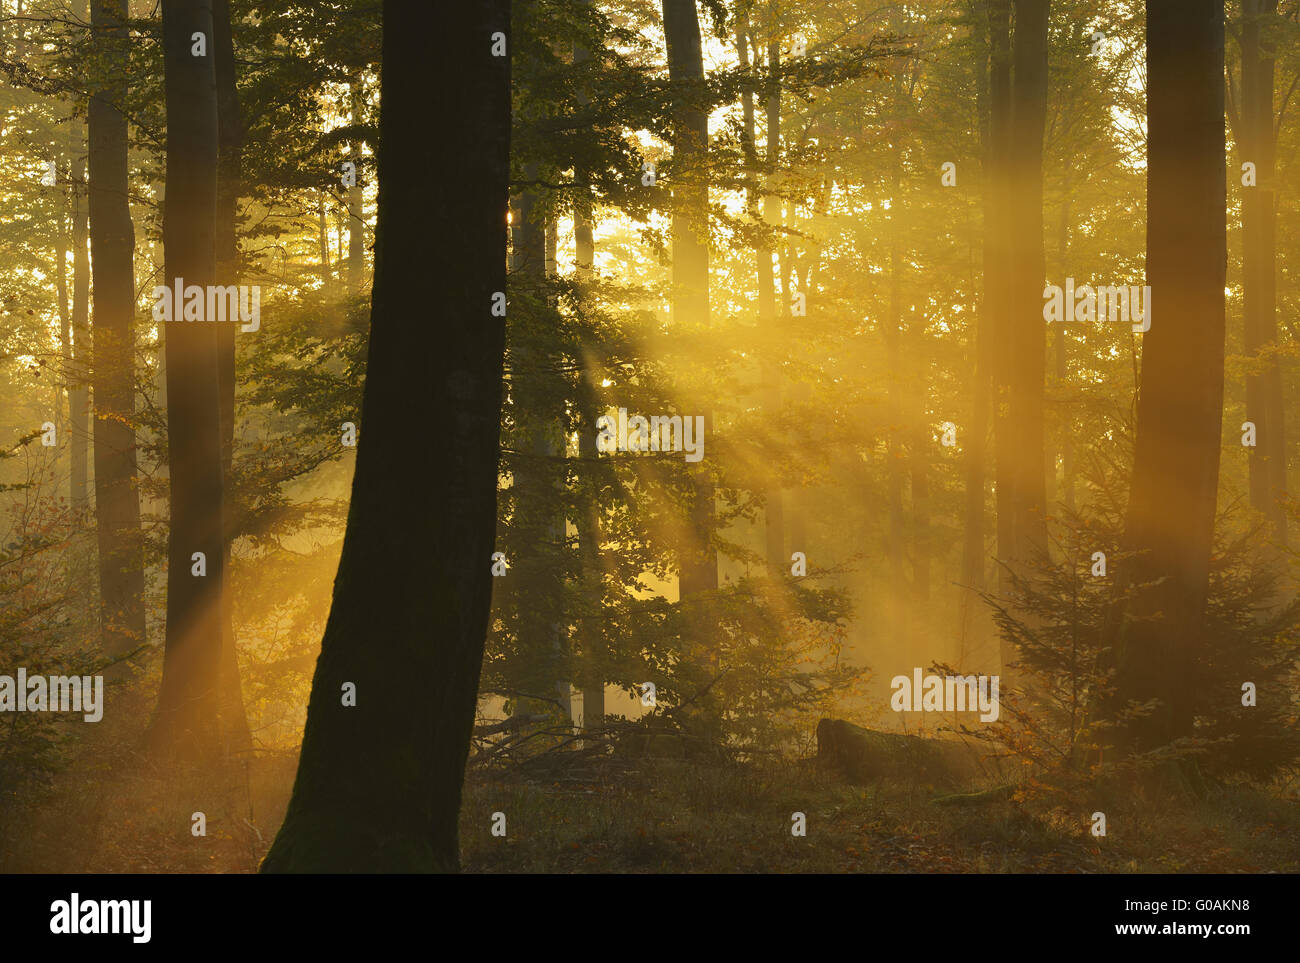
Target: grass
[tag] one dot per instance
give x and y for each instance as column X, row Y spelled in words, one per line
column 110, row 811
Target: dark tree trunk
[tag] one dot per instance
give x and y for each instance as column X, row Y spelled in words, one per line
column 323, row 243
column 690, row 284
column 997, row 281
column 537, row 406
column 1027, row 336
column 1258, row 221
column 1180, row 399
column 188, row 704
column 1066, row 420
column 379, row 784
column 112, row 237
column 973, row 559
column 769, row 316
column 61, row 302
column 356, row 210
column 897, row 610
column 588, row 523
column 918, row 458
column 79, row 396
column 230, row 135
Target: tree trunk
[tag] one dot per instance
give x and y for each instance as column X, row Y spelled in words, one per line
column 769, row 315
column 982, row 322
column 588, row 523
column 379, row 784
column 997, row 283
column 897, row 609
column 230, row 136
column 537, row 400
column 1258, row 222
column 690, row 282
column 79, row 396
column 188, row 703
column 61, row 302
column 356, row 210
column 1066, row 419
column 1027, row 341
column 1180, row 400
column 112, row 237
column 323, row 243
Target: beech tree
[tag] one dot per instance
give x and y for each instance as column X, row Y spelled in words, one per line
column 112, row 241
column 690, row 279
column 1171, row 511
column 1253, row 125
column 392, row 702
column 188, row 708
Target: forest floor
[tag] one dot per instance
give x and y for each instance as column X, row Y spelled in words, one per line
column 687, row 817
column 109, row 811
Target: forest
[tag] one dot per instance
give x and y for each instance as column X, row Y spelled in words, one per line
column 649, row 436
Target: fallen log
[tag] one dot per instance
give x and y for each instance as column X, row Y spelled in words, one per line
column 866, row 755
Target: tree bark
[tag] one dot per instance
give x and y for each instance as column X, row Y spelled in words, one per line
column 230, row 135
column 770, row 315
column 973, row 559
column 1258, row 145
column 112, row 238
column 188, row 703
column 1066, row 420
column 323, row 244
column 61, row 304
column 588, row 523
column 1180, row 400
column 1027, row 341
column 356, row 209
column 537, row 400
column 379, row 784
column 79, row 396
column 997, row 283
column 690, row 281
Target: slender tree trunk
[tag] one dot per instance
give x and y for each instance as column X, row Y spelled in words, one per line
column 593, row 691
column 61, row 301
column 1180, row 401
column 323, row 242
column 690, row 282
column 79, row 396
column 982, row 321
column 1258, row 215
column 1066, row 419
column 537, row 399
column 379, row 784
column 112, row 236
column 897, row 608
column 230, row 136
column 770, row 315
column 1027, row 342
column 997, row 283
column 356, row 211
column 188, row 703
column 339, row 218
column 919, row 468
